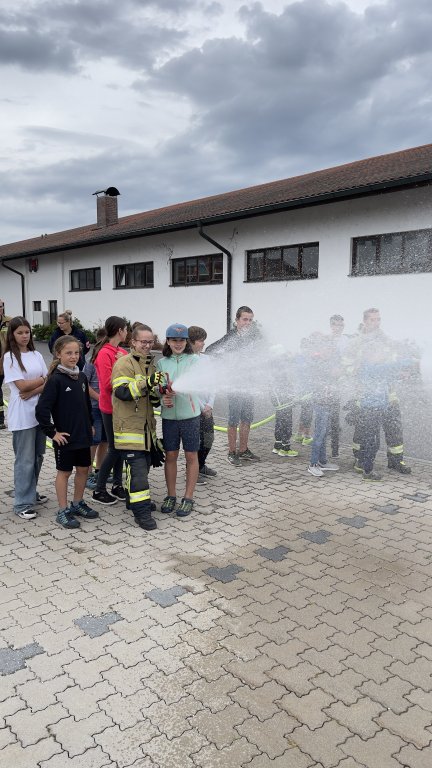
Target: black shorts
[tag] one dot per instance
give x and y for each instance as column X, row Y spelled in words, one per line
column 66, row 459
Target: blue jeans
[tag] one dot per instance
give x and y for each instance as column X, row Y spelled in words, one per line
column 318, row 452
column 29, row 449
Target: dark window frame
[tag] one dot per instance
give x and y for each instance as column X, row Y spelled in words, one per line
column 85, row 276
column 37, row 306
column 190, row 266
column 405, row 265
column 284, row 276
column 148, row 270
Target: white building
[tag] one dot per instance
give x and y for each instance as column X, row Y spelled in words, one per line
column 296, row 251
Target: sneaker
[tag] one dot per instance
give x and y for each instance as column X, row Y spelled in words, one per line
column 297, row 438
column 91, row 482
column 357, row 466
column 234, row 459
column 315, row 470
column 307, row 440
column 373, row 477
column 168, row 504
column 185, row 508
column 286, row 450
column 119, row 492
column 147, row 523
column 27, row 513
column 247, row 455
column 399, row 466
column 328, row 467
column 207, row 471
column 103, row 497
column 65, row 518
column 83, row 510
column 201, row 480
column 277, row 446
column 41, row 498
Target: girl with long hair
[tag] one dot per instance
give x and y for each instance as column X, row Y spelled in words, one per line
column 65, row 415
column 25, row 372
column 105, row 354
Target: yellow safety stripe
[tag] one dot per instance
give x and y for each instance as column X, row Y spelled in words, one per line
column 134, row 390
column 119, row 380
column 128, row 477
column 139, row 496
column 396, row 450
column 129, row 437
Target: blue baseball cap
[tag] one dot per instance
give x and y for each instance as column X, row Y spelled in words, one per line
column 177, row 331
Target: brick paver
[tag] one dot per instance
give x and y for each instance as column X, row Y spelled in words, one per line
column 286, row 624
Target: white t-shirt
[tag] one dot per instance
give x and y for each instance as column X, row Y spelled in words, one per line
column 21, row 413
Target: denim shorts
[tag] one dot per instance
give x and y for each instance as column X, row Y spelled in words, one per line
column 99, row 435
column 240, row 409
column 186, row 430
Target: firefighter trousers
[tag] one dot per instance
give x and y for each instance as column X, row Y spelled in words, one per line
column 137, row 486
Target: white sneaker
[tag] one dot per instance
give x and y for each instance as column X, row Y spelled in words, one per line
column 315, row 470
column 328, row 467
column 28, row 513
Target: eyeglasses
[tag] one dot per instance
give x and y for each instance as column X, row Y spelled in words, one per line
column 146, row 343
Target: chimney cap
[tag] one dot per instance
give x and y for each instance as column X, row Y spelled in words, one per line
column 109, row 192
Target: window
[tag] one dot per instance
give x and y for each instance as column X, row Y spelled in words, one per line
column 134, row 275
column 285, row 262
column 395, row 253
column 85, row 279
column 37, row 306
column 198, row 270
column 52, row 311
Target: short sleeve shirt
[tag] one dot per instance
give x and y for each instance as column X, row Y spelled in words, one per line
column 21, row 413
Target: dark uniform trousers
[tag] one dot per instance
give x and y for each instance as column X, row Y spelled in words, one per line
column 137, row 486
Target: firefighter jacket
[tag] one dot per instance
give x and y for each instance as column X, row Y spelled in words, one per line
column 134, row 423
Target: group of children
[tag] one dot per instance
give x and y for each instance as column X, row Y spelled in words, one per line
column 106, row 412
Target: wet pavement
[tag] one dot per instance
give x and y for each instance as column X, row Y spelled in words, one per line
column 287, row 623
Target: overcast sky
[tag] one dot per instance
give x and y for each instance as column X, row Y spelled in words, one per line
column 177, row 99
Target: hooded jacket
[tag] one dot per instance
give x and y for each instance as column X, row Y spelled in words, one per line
column 186, row 405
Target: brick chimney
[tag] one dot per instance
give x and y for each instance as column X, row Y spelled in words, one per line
column 107, row 207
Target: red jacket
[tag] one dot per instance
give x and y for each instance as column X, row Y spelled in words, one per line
column 104, row 364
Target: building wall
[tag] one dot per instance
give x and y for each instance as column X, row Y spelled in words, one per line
column 286, row 310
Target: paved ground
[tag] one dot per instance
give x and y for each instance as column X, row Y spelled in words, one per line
column 286, row 624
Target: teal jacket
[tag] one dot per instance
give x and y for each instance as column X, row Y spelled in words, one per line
column 186, row 406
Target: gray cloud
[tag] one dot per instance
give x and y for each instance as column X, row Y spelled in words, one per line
column 309, row 82
column 61, row 36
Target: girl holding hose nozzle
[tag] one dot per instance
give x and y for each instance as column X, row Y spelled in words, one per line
column 180, row 419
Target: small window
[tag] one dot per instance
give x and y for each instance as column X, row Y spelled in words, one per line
column 393, row 253
column 198, row 270
column 286, row 262
column 85, row 279
column 37, row 306
column 134, row 275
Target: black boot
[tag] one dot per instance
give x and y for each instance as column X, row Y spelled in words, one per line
column 399, row 465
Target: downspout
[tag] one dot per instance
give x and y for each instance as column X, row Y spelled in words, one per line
column 229, row 273
column 11, row 269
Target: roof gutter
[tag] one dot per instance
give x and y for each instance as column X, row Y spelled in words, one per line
column 229, row 273
column 11, row 269
column 262, row 210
